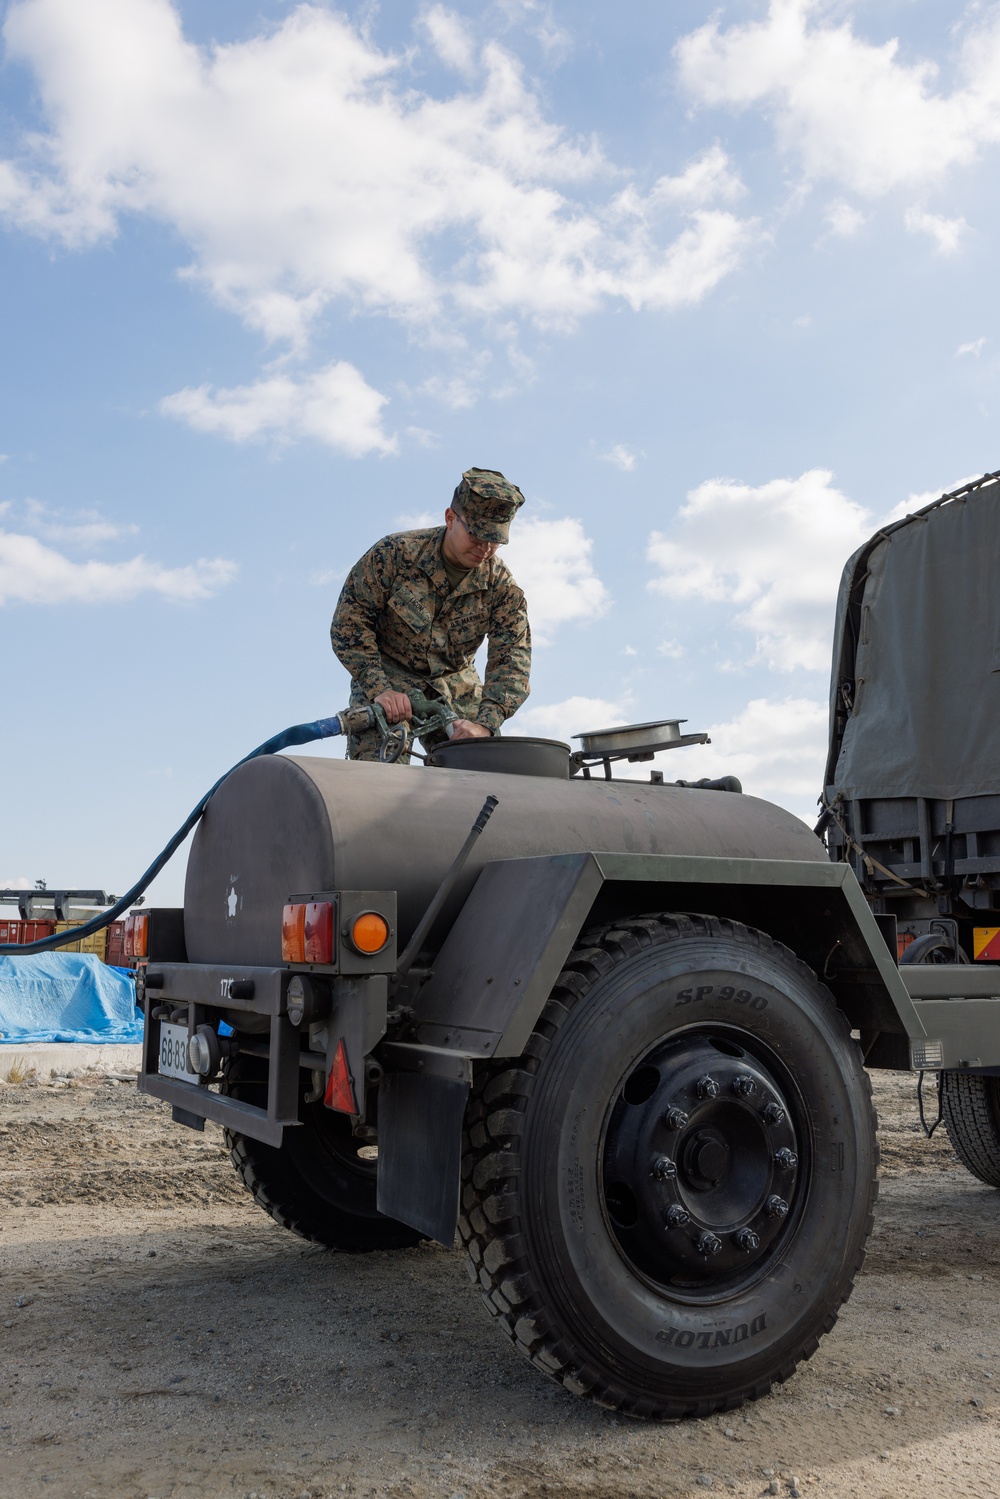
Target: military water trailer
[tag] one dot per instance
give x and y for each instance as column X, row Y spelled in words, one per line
column 612, row 1049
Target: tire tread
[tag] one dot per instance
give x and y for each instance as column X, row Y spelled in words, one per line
column 971, row 1111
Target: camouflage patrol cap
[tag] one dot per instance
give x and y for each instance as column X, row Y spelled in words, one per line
column 488, row 503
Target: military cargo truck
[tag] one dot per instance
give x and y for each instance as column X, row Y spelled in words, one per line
column 912, row 794
column 611, row 1032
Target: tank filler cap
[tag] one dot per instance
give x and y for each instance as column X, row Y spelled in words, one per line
column 634, row 741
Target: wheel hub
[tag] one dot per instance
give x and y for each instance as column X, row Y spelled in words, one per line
column 701, row 1162
column 705, row 1159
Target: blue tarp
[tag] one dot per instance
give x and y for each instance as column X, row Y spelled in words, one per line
column 57, row 996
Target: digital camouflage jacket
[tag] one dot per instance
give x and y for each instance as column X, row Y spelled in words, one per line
column 398, row 624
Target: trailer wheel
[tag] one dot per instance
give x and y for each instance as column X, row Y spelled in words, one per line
column 316, row 1185
column 971, row 1109
column 667, row 1196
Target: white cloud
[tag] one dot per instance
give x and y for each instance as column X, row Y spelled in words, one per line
column 776, row 551
column 451, row 38
column 574, row 715
column 335, row 405
column 85, row 528
column 776, row 746
column 302, row 166
column 976, row 348
column 708, row 178
column 458, row 392
column 32, row 573
column 419, row 520
column 851, row 111
column 672, row 649
column 844, row 219
column 551, row 560
column 621, row 457
column 19, row 882
column 539, row 20
column 946, row 233
column 423, row 437
column 322, row 577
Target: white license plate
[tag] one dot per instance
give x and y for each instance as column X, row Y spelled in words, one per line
column 174, row 1052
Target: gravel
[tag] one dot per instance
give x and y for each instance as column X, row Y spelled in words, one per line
column 174, row 1343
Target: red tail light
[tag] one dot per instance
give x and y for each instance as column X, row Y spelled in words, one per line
column 319, row 932
column 135, row 937
column 293, row 934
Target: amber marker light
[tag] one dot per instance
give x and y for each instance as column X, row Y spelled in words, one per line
column 369, row 932
column 293, row 933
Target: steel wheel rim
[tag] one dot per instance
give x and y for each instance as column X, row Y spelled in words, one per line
column 702, row 1188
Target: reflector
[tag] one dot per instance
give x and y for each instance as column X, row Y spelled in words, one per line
column 339, row 1093
column 293, row 934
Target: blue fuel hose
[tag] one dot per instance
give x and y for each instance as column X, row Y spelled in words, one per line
column 300, row 733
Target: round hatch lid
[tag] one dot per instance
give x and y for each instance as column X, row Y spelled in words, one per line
column 632, row 738
column 514, row 756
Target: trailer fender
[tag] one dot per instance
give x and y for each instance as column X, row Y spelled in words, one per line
column 505, row 951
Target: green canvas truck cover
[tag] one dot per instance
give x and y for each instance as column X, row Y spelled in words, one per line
column 915, row 686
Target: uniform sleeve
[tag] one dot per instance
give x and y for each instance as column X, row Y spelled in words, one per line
column 508, row 660
column 353, row 631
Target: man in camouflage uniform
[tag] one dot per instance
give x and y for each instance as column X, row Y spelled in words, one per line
column 418, row 606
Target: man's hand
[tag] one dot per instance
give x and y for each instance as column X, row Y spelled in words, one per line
column 395, row 706
column 464, row 728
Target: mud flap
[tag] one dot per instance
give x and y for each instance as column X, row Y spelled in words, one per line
column 421, row 1110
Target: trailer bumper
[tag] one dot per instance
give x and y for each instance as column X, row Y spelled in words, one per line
column 192, row 994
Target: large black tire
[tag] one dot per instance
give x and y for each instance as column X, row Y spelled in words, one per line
column 685, row 1070
column 316, row 1185
column 971, row 1110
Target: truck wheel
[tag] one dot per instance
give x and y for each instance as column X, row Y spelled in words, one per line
column 667, row 1197
column 316, row 1184
column 971, row 1108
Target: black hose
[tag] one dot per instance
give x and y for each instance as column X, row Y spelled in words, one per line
column 301, row 733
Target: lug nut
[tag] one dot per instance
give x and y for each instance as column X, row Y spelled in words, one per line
column 707, row 1243
column 747, row 1240
column 664, row 1169
column 707, row 1087
column 776, row 1207
column 785, row 1159
column 675, row 1216
column 773, row 1113
column 675, row 1119
column 744, row 1085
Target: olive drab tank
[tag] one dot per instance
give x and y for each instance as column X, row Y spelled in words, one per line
column 304, row 823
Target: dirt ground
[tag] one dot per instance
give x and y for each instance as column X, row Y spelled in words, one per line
column 161, row 1338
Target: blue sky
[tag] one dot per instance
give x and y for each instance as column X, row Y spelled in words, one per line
column 716, row 288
